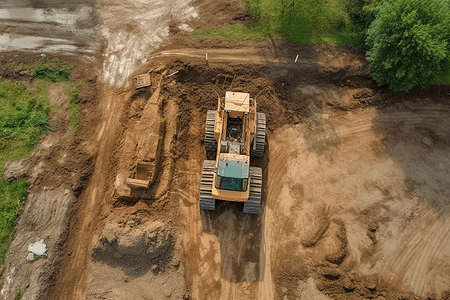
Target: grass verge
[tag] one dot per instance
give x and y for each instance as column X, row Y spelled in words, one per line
column 307, row 22
column 24, row 119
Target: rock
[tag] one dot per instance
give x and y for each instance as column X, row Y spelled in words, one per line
column 348, row 284
column 30, row 257
column 371, row 285
column 149, row 240
column 427, row 141
column 15, row 170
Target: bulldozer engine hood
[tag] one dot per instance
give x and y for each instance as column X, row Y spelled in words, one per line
column 233, row 166
column 237, row 102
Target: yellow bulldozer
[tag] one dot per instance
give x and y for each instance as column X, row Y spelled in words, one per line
column 236, row 132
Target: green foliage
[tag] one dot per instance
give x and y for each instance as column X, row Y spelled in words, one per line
column 409, row 43
column 362, row 14
column 314, row 21
column 236, row 31
column 304, row 22
column 49, row 63
column 24, row 115
column 444, row 77
column 18, row 295
column 52, row 74
column 254, row 8
column 23, row 120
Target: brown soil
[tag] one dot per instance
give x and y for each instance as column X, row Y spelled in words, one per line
column 355, row 181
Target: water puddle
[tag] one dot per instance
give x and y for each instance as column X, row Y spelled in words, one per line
column 57, row 29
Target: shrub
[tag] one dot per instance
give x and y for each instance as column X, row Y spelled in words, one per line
column 52, row 74
column 409, row 43
column 362, row 14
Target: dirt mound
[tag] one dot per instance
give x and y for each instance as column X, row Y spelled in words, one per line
column 14, row 170
column 135, row 247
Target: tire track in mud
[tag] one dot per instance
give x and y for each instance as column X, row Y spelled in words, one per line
column 72, row 276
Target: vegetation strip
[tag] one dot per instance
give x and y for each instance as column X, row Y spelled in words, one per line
column 24, row 119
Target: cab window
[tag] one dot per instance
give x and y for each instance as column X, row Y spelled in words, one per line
column 231, row 184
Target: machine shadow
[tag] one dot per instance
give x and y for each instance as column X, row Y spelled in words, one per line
column 241, row 236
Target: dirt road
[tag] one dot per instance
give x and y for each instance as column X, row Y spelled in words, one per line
column 355, row 195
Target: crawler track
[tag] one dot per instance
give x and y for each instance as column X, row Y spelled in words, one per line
column 254, row 200
column 210, row 142
column 206, row 201
column 260, row 135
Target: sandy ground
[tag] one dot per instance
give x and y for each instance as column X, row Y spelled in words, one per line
column 355, row 195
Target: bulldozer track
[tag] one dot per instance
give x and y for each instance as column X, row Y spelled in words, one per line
column 210, row 142
column 206, row 200
column 260, row 135
column 252, row 205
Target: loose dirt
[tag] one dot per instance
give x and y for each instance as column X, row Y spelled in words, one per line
column 355, row 194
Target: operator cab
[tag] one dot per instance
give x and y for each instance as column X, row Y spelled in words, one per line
column 232, row 173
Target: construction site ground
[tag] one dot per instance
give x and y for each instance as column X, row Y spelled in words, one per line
column 356, row 196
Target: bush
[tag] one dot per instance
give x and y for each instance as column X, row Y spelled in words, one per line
column 362, row 14
column 52, row 74
column 409, row 43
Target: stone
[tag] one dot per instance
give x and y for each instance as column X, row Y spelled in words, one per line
column 30, row 257
column 14, row 170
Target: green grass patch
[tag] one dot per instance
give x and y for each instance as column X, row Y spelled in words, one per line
column 234, row 32
column 23, row 121
column 304, row 22
column 18, row 295
column 52, row 65
column 445, row 77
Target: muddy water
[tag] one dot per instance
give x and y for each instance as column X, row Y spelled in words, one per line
column 49, row 26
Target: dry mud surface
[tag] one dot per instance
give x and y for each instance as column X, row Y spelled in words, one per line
column 356, row 178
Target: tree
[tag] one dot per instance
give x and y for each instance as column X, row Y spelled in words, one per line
column 362, row 14
column 409, row 43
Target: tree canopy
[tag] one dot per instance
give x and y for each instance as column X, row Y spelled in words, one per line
column 409, row 43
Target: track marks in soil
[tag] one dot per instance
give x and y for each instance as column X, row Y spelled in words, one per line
column 222, row 247
column 222, row 253
column 421, row 263
column 70, row 283
column 382, row 172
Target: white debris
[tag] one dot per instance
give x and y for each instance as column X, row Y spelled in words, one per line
column 38, row 248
